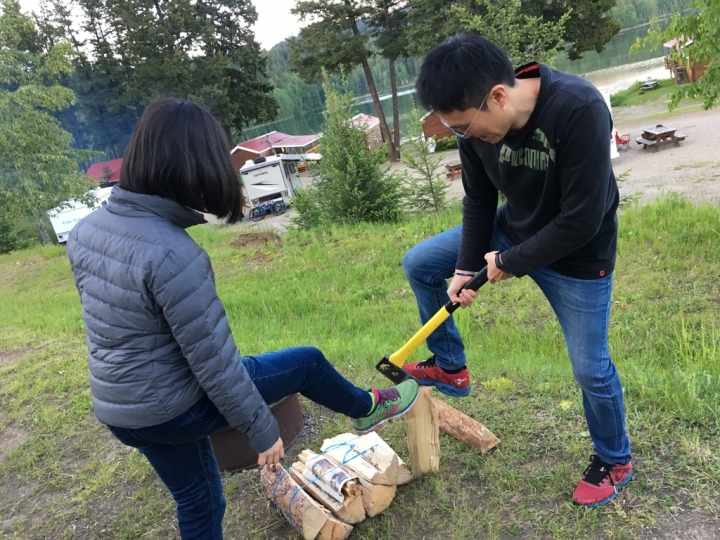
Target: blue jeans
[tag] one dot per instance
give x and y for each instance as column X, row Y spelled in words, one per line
column 582, row 308
column 180, row 450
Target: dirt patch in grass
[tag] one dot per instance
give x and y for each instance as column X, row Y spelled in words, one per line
column 256, row 260
column 688, row 525
column 10, row 439
column 257, row 240
column 10, row 357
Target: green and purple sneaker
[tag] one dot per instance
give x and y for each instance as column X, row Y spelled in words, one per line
column 388, row 403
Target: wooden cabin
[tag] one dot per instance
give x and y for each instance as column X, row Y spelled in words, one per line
column 433, row 127
column 687, row 70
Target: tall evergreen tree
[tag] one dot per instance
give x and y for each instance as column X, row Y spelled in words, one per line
column 524, row 37
column 388, row 23
column 138, row 51
column 590, row 25
column 333, row 41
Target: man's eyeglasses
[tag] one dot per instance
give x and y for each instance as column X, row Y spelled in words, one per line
column 464, row 134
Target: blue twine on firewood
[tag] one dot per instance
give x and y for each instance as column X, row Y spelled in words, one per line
column 292, row 497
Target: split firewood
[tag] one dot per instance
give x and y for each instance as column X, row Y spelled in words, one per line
column 376, row 498
column 309, row 518
column 350, row 510
column 422, row 433
column 368, row 456
column 463, row 428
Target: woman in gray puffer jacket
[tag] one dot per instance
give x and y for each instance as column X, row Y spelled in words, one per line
column 165, row 373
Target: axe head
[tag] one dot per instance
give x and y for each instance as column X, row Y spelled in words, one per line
column 391, row 371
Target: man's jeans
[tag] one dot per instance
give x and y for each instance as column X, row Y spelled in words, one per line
column 180, row 450
column 582, row 308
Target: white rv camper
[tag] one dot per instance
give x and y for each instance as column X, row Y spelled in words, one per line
column 271, row 178
column 64, row 218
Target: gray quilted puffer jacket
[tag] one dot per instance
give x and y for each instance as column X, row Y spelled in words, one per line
column 157, row 332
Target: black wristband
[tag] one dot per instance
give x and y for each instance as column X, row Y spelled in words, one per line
column 499, row 263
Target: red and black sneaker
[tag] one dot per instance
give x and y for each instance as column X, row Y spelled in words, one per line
column 601, row 482
column 429, row 374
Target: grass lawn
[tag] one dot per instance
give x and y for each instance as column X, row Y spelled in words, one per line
column 63, row 476
column 634, row 96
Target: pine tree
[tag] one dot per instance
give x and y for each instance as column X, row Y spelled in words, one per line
column 139, row 51
column 333, row 42
column 424, row 189
column 349, row 185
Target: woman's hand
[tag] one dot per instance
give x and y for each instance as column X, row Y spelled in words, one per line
column 272, row 455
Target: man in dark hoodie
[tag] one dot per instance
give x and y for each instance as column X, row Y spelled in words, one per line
column 541, row 138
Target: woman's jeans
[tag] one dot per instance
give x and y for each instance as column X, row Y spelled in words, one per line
column 180, row 450
column 582, row 308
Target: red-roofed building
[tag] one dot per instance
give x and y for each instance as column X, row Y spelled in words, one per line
column 255, row 148
column 295, row 144
column 106, row 171
column 271, row 143
column 371, row 125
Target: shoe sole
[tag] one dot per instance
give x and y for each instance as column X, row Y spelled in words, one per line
column 611, row 497
column 374, row 427
column 446, row 389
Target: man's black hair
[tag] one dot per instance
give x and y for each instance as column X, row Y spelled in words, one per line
column 457, row 74
column 180, row 152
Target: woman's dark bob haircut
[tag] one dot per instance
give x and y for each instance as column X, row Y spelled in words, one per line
column 180, row 152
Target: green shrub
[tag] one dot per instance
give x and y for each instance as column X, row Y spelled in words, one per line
column 446, row 143
column 9, row 239
column 350, row 183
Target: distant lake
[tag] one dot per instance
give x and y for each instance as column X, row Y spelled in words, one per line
column 613, row 69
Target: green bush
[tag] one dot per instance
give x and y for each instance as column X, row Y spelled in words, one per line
column 350, row 183
column 307, row 206
column 446, row 143
column 9, row 239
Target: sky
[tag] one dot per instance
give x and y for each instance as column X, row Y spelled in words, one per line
column 275, row 22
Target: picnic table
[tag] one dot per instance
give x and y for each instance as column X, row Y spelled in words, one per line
column 649, row 85
column 453, row 167
column 655, row 137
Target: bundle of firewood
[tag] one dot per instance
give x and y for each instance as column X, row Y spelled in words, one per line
column 323, row 495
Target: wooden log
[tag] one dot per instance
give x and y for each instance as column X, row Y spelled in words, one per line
column 463, row 428
column 404, row 475
column 422, row 432
column 376, row 463
column 308, row 517
column 376, row 498
column 351, row 510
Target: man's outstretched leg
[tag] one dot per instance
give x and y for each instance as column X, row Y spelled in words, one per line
column 427, row 266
